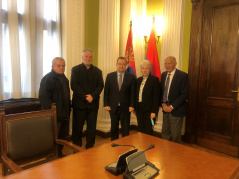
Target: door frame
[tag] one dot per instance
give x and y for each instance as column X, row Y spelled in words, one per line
column 193, row 70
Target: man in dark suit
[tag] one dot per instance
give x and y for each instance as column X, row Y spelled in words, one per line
column 175, row 86
column 86, row 84
column 54, row 88
column 147, row 98
column 119, row 98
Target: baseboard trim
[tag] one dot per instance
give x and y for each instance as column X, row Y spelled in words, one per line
column 103, row 134
column 107, row 134
column 132, row 127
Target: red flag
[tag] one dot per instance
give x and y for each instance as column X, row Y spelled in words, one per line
column 129, row 53
column 152, row 55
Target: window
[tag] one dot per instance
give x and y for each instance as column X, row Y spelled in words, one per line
column 25, row 33
column 6, row 67
column 50, row 47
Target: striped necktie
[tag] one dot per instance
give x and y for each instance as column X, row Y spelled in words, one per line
column 120, row 81
column 165, row 93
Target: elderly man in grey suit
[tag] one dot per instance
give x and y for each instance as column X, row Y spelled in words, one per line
column 119, row 98
column 174, row 85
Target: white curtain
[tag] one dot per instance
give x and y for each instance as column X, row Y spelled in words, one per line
column 108, row 48
column 125, row 17
column 29, row 40
column 138, row 16
column 73, row 32
column 172, row 37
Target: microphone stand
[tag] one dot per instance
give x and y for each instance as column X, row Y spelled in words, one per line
column 140, row 168
column 119, row 166
column 116, row 145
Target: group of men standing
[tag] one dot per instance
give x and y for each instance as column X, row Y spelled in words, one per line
column 119, row 98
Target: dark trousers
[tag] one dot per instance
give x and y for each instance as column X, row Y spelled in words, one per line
column 79, row 118
column 172, row 127
column 124, row 119
column 144, row 122
column 62, row 133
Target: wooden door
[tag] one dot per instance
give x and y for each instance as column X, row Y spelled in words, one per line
column 218, row 83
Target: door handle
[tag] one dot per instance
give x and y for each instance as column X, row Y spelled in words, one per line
column 236, row 91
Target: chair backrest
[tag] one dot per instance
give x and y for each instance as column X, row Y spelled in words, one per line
column 26, row 135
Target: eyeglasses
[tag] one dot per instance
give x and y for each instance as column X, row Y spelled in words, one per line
column 121, row 64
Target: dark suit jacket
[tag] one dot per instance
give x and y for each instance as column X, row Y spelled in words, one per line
column 126, row 95
column 178, row 92
column 150, row 95
column 82, row 86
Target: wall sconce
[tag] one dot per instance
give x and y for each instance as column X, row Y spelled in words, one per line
column 146, row 38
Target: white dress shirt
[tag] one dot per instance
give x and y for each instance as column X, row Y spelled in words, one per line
column 142, row 88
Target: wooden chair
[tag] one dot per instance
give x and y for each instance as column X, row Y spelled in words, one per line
column 27, row 137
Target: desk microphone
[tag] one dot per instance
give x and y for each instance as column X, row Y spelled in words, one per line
column 150, row 147
column 115, row 145
column 139, row 153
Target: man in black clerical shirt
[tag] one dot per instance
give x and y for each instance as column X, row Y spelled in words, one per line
column 86, row 84
column 54, row 88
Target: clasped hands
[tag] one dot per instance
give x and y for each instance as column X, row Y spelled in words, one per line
column 167, row 108
column 89, row 98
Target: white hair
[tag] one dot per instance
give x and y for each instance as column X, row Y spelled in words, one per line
column 146, row 62
column 87, row 50
column 172, row 57
column 57, row 58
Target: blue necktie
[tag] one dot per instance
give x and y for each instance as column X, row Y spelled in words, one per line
column 165, row 93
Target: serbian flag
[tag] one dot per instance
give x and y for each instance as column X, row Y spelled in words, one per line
column 129, row 53
column 152, row 55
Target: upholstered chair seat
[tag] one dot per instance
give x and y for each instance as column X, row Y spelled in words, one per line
column 29, row 136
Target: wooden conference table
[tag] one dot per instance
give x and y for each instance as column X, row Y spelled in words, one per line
column 173, row 160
